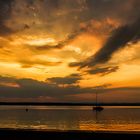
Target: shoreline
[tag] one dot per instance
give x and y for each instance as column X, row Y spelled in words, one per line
column 38, row 134
column 73, row 131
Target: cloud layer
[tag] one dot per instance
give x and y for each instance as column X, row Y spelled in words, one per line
column 5, row 13
column 76, row 44
column 24, row 89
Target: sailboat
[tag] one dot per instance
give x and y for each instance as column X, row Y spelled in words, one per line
column 97, row 107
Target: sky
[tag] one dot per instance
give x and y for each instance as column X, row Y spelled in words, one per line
column 69, row 50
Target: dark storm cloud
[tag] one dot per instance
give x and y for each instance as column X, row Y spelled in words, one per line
column 70, row 79
column 5, row 13
column 103, row 70
column 119, row 38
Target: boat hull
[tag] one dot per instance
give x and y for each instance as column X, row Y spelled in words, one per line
column 98, row 108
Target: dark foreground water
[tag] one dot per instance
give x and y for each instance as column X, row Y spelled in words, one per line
column 70, row 118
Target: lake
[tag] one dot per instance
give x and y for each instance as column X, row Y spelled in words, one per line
column 70, row 118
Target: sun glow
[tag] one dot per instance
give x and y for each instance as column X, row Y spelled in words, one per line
column 40, row 42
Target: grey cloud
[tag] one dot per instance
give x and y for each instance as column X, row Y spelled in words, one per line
column 103, row 70
column 30, row 2
column 63, row 16
column 52, row 3
column 123, row 10
column 75, row 64
column 70, row 79
column 67, row 15
column 5, row 13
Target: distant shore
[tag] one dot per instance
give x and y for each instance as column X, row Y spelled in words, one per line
column 22, row 134
column 67, row 104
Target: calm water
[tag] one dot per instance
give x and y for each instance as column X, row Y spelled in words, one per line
column 70, row 118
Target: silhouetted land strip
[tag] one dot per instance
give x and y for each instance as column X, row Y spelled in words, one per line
column 21, row 134
column 68, row 104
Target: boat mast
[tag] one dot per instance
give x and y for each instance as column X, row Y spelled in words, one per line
column 96, row 98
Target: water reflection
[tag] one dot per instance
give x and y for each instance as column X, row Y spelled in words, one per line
column 70, row 118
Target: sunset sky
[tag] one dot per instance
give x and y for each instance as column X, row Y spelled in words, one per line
column 68, row 50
